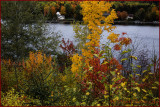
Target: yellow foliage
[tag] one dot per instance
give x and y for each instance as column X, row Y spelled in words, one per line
column 77, row 63
column 92, row 12
column 113, row 37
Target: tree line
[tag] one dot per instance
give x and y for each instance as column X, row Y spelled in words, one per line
column 142, row 11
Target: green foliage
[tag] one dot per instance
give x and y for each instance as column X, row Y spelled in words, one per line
column 81, row 33
column 77, row 14
column 23, row 30
column 68, row 10
column 13, row 98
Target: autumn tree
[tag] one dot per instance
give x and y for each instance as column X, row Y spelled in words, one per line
column 53, row 11
column 63, row 10
column 87, row 64
column 123, row 15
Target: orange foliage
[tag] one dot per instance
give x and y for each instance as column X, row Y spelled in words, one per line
column 63, row 10
column 53, row 10
column 36, row 60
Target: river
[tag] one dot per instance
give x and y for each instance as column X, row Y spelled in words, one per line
column 143, row 36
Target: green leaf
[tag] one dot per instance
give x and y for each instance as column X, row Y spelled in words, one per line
column 90, row 68
column 96, row 55
column 129, row 50
column 101, row 52
column 123, row 52
column 99, row 72
column 131, row 75
column 113, row 73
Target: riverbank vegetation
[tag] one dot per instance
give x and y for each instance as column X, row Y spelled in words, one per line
column 35, row 73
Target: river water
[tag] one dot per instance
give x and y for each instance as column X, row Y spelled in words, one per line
column 144, row 36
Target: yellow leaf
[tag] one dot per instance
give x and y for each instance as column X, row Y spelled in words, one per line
column 134, row 57
column 144, row 71
column 87, row 93
column 144, row 90
column 144, row 97
column 154, row 88
column 110, row 86
column 135, row 94
column 123, row 59
column 106, row 96
column 137, row 88
column 138, row 74
column 157, row 82
column 123, row 84
column 116, row 98
column 143, row 79
column 105, row 62
column 138, row 66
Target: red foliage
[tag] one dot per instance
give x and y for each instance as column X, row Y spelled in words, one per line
column 117, row 47
column 68, row 47
column 124, row 33
column 98, row 73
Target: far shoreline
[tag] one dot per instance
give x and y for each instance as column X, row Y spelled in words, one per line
column 155, row 23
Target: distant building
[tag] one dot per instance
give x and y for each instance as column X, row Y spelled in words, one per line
column 59, row 16
column 130, row 16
